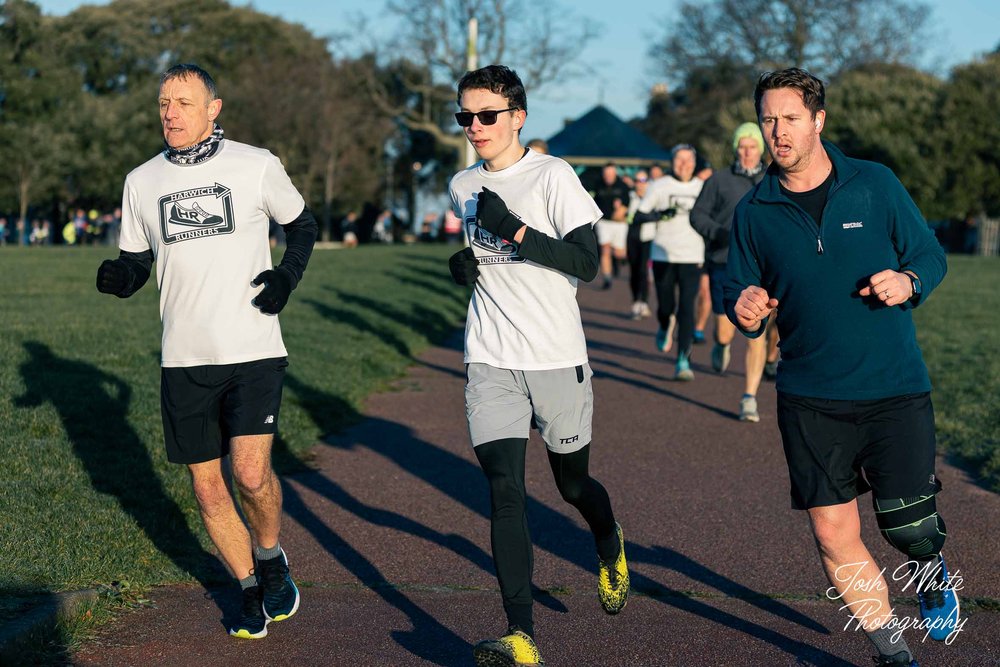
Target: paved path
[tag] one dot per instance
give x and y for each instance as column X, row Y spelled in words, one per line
column 390, row 541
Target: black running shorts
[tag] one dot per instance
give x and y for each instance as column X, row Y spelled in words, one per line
column 204, row 406
column 838, row 450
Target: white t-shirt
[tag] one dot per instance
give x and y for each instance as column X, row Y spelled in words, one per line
column 207, row 226
column 524, row 316
column 676, row 241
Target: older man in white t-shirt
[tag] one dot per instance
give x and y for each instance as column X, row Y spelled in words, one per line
column 201, row 209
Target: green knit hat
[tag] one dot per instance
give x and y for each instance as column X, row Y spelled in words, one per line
column 748, row 130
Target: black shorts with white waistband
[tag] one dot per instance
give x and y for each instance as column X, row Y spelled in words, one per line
column 838, row 450
column 203, row 407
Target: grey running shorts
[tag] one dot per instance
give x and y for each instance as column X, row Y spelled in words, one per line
column 502, row 403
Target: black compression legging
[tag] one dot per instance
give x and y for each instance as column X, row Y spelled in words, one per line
column 685, row 277
column 503, row 464
column 638, row 261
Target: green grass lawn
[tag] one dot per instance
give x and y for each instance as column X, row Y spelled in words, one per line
column 957, row 330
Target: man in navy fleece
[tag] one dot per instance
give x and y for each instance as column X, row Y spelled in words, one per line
column 840, row 245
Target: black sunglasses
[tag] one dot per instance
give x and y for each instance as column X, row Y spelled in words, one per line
column 487, row 117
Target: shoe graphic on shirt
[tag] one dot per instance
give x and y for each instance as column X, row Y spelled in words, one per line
column 195, row 216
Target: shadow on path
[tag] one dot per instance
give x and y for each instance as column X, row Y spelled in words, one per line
column 728, row 414
column 428, row 639
column 551, row 530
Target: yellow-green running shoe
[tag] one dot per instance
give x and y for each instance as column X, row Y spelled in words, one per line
column 612, row 579
column 515, row 649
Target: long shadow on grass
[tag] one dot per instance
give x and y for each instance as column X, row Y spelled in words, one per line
column 438, row 283
column 93, row 406
column 24, row 638
column 461, row 480
column 429, row 323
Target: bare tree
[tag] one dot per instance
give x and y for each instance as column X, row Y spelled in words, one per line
column 539, row 40
column 825, row 36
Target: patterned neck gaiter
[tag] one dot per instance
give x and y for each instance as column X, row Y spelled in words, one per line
column 201, row 151
column 740, row 170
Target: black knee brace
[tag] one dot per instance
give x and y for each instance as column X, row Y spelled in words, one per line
column 911, row 525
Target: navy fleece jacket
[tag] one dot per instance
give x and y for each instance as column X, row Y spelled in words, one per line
column 836, row 344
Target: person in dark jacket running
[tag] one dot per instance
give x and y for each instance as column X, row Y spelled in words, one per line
column 840, row 247
column 712, row 217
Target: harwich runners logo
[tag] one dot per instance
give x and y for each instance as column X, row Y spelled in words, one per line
column 856, row 582
column 196, row 212
column 500, row 251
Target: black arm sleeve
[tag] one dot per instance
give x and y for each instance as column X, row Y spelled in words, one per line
column 652, row 216
column 138, row 265
column 300, row 236
column 575, row 254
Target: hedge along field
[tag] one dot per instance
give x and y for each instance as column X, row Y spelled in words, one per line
column 86, row 492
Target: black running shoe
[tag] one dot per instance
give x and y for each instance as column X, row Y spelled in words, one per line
column 280, row 596
column 901, row 659
column 251, row 624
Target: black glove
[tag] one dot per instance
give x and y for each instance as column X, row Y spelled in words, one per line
column 277, row 286
column 493, row 216
column 464, row 267
column 669, row 213
column 112, row 277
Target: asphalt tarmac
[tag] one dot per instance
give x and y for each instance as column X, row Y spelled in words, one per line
column 389, row 538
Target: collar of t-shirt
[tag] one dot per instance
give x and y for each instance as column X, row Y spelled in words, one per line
column 525, row 153
column 812, row 201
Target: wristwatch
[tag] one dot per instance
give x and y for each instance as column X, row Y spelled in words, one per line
column 915, row 284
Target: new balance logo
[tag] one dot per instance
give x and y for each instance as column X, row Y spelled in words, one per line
column 269, row 420
column 566, row 441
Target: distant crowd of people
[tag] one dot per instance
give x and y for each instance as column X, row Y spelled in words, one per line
column 671, row 228
column 82, row 227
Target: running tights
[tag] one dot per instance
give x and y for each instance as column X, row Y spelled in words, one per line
column 685, row 278
column 503, row 463
column 638, row 262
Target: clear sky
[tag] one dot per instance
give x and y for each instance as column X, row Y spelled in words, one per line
column 620, row 73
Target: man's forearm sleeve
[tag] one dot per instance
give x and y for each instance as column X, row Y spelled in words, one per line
column 138, row 265
column 300, row 237
column 575, row 254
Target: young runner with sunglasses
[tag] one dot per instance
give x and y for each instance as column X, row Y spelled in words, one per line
column 530, row 225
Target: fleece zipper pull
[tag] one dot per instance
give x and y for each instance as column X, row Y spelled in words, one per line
column 819, row 246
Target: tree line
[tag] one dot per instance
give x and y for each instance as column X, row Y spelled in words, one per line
column 939, row 135
column 78, row 92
